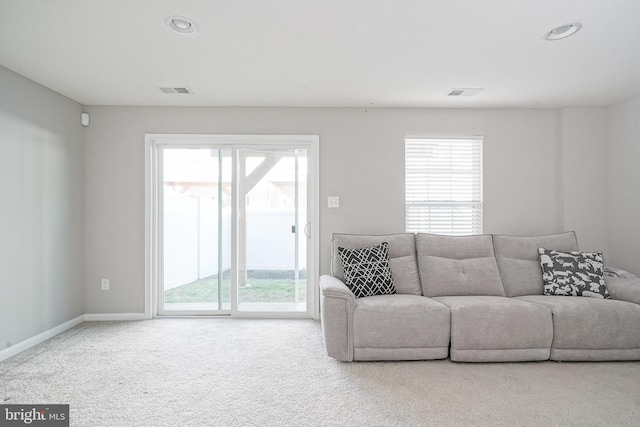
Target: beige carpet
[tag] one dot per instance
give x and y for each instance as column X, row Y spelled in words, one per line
column 225, row 372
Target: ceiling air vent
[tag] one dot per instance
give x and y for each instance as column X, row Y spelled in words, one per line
column 176, row 90
column 464, row 92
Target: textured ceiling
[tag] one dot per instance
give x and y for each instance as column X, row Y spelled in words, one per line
column 355, row 53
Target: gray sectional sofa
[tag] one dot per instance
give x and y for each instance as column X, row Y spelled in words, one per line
column 475, row 299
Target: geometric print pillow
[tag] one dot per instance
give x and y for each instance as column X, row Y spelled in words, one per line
column 367, row 271
column 573, row 273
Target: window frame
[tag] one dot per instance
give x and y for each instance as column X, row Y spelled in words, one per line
column 444, row 216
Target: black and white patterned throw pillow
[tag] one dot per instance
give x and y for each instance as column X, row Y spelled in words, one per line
column 573, row 273
column 367, row 271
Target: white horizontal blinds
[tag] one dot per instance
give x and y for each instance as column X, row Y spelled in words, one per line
column 443, row 186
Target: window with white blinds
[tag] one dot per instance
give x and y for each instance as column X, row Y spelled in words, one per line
column 443, row 186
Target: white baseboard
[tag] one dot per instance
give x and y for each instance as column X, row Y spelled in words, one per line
column 105, row 317
column 35, row 340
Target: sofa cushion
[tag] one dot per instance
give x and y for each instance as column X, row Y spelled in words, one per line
column 400, row 322
column 573, row 273
column 518, row 260
column 457, row 265
column 592, row 328
column 366, row 270
column 498, row 329
column 402, row 257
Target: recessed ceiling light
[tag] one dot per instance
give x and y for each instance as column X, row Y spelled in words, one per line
column 562, row 31
column 181, row 25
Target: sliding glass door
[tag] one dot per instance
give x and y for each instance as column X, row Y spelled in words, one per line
column 196, row 230
column 272, row 217
column 234, row 226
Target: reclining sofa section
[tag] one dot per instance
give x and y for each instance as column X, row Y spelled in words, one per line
column 475, row 299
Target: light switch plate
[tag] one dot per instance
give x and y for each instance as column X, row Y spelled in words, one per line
column 333, row 201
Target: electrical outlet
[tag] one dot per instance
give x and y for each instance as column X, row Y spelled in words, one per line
column 105, row 284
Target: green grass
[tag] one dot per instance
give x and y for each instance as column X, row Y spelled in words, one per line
column 264, row 287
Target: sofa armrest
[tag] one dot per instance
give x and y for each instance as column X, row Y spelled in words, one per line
column 336, row 288
column 337, row 304
column 624, row 289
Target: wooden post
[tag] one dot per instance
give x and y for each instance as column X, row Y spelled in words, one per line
column 245, row 185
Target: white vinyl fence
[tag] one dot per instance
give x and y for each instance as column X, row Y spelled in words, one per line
column 191, row 240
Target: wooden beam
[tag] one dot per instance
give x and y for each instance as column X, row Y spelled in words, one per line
column 247, row 183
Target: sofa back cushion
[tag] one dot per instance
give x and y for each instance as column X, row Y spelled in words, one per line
column 402, row 257
column 518, row 260
column 458, row 265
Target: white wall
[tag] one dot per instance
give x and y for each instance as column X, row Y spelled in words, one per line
column 582, row 176
column 624, row 184
column 361, row 160
column 543, row 170
column 41, row 214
